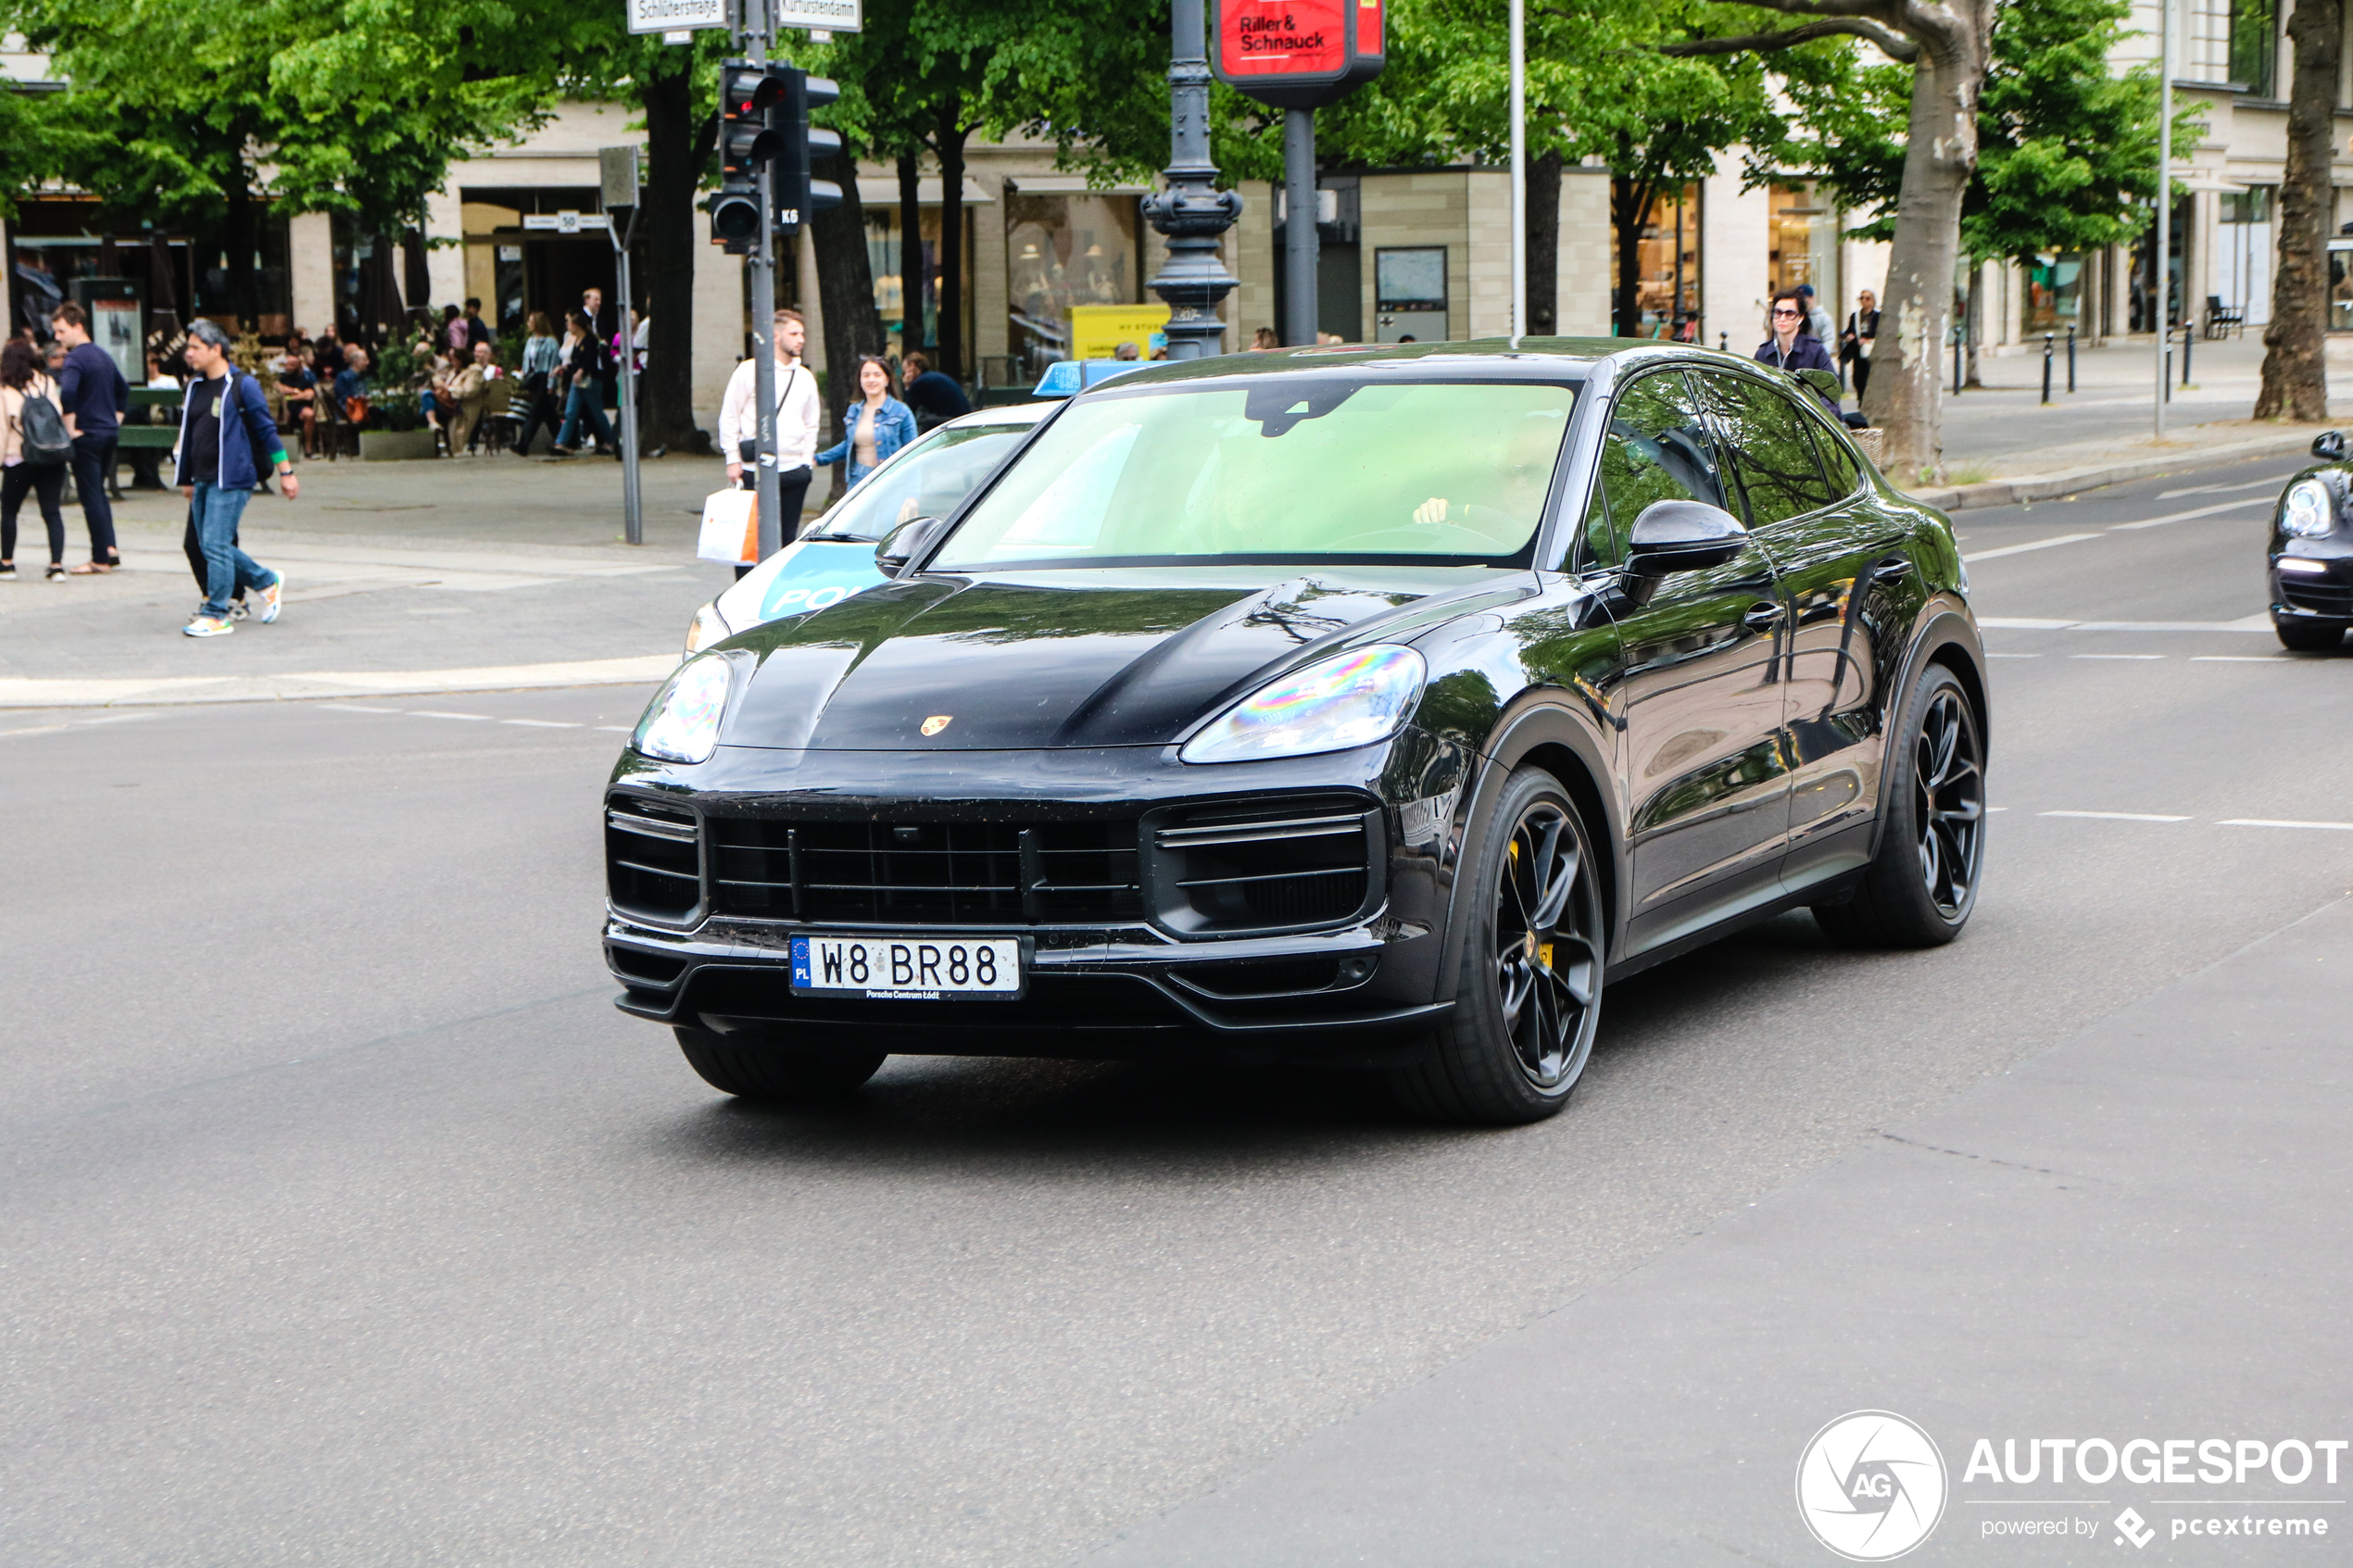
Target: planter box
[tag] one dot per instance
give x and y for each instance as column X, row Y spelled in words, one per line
column 393, row 446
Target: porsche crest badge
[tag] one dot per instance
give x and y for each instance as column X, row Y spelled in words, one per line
column 937, row 722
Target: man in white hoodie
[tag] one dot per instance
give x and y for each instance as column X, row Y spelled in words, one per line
column 797, row 416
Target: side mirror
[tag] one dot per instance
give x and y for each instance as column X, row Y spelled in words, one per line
column 1822, row 382
column 904, row 542
column 1682, row 536
column 2329, row 446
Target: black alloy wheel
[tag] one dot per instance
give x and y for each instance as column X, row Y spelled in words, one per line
column 1528, row 998
column 1921, row 884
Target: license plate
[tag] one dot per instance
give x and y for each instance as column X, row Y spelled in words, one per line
column 907, row 968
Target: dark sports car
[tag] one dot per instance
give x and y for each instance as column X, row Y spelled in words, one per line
column 2310, row 554
column 1370, row 707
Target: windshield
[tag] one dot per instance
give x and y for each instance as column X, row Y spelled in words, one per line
column 929, row 479
column 1284, row 467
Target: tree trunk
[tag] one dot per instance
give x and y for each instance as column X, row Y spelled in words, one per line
column 845, row 295
column 911, row 335
column 2294, row 371
column 1630, row 203
column 416, row 272
column 1915, row 321
column 1544, row 245
column 665, row 244
column 951, row 236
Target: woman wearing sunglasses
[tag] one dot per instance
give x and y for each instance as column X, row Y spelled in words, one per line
column 1791, row 346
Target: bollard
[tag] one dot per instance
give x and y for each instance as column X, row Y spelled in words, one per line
column 2169, row 367
column 1957, row 361
column 1723, row 342
column 2187, row 332
column 2046, row 368
column 2070, row 358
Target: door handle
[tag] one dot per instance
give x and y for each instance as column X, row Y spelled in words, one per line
column 1892, row 570
column 1764, row 617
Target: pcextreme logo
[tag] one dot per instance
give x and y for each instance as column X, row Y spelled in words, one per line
column 1871, row 1486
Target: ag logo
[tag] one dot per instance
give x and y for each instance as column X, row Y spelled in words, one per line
column 1871, row 1486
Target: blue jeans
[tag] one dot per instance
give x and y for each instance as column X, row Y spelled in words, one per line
column 91, row 455
column 586, row 402
column 227, row 567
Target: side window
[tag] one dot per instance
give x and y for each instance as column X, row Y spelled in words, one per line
column 1772, row 452
column 1599, row 546
column 1656, row 450
column 1846, row 474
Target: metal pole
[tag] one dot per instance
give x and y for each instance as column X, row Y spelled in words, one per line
column 764, row 338
column 2070, row 358
column 2188, row 332
column 1300, row 322
column 633, row 513
column 2046, row 366
column 1190, row 209
column 1957, row 330
column 1519, row 168
column 2163, row 334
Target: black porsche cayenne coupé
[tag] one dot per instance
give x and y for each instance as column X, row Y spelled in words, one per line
column 1375, row 707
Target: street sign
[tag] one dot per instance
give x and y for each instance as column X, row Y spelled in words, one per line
column 1297, row 54
column 676, row 16
column 564, row 223
column 822, row 16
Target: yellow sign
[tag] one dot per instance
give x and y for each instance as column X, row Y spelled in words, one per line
column 1097, row 331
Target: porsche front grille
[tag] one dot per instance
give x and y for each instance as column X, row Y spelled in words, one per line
column 1271, row 866
column 653, row 860
column 951, row 873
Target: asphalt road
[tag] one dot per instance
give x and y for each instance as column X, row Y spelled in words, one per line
column 346, row 1222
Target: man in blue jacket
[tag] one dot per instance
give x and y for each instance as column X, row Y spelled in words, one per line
column 94, row 397
column 224, row 421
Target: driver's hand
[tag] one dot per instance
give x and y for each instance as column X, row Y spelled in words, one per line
column 1431, row 510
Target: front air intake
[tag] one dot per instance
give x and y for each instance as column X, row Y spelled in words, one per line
column 1288, row 864
column 653, row 860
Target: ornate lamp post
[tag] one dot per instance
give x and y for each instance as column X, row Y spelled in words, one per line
column 1191, row 211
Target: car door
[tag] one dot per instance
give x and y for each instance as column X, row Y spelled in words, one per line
column 1707, row 787
column 1836, row 555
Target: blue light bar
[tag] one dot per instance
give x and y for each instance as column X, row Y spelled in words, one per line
column 1063, row 378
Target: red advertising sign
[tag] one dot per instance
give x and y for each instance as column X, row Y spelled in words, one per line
column 1297, row 54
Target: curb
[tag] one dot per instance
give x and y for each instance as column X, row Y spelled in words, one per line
column 2049, row 486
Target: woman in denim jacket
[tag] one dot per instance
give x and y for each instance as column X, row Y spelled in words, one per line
column 873, row 428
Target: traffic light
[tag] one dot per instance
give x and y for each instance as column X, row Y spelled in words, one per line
column 749, row 97
column 799, row 194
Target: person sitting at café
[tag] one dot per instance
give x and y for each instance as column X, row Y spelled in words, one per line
column 298, row 389
column 352, row 387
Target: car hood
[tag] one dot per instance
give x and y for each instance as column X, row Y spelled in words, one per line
column 1042, row 660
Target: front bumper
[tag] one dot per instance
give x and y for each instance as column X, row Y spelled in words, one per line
column 1363, row 989
column 2314, row 596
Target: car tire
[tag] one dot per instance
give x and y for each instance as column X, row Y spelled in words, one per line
column 2310, row 637
column 1527, row 999
column 1921, row 884
column 751, row 1067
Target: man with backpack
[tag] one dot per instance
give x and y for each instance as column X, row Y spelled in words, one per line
column 95, row 397
column 224, row 423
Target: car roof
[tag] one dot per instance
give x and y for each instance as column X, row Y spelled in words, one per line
column 1528, row 359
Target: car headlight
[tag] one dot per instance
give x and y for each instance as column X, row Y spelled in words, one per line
column 706, row 628
column 1351, row 699
column 682, row 722
column 2309, row 511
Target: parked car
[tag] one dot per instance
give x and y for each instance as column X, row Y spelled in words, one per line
column 1374, row 709
column 2309, row 556
column 836, row 557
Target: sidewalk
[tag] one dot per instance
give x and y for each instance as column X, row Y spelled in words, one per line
column 2138, row 1234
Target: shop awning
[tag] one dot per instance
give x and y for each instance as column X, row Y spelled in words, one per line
column 882, row 190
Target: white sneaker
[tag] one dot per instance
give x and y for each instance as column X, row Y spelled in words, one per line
column 206, row 626
column 270, row 598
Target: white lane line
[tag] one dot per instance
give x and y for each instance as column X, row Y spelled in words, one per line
column 541, row 723
column 2013, row 656
column 2114, row 816
column 354, row 707
column 2260, row 622
column 2240, row 658
column 2269, row 822
column 2116, row 656
column 77, row 723
column 429, row 713
column 2238, row 504
column 2036, row 545
column 2224, row 489
column 616, row 729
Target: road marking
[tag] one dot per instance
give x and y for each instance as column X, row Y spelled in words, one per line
column 429, row 713
column 354, row 707
column 77, row 723
column 2114, row 816
column 541, row 723
column 2036, row 545
column 2240, row 658
column 2013, row 656
column 2116, row 656
column 2244, row 502
column 2224, row 489
column 617, row 728
column 2260, row 622
column 2269, row 822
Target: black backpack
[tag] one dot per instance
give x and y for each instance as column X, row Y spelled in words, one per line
column 46, row 445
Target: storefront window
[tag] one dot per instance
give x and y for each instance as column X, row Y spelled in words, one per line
column 1804, row 246
column 2054, row 294
column 1666, row 264
column 1062, row 251
column 2341, row 285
